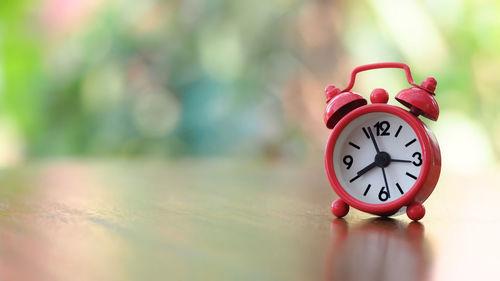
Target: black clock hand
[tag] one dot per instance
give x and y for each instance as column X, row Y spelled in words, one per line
column 373, row 139
column 398, row 160
column 362, row 171
column 366, row 169
column 386, row 185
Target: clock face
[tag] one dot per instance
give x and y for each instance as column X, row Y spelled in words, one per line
column 377, row 158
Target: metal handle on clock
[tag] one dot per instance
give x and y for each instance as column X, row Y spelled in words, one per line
column 365, row 67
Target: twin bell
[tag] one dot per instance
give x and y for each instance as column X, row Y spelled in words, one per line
column 418, row 99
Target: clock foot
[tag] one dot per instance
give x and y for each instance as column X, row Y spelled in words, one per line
column 415, row 211
column 339, row 208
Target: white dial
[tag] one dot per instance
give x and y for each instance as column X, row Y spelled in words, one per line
column 377, row 158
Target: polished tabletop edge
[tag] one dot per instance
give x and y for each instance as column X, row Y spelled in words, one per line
column 231, row 220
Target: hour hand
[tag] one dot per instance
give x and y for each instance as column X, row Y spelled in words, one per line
column 363, row 171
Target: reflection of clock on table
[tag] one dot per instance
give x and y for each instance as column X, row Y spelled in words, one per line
column 380, row 158
column 377, row 249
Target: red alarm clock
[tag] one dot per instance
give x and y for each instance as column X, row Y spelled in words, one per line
column 380, row 158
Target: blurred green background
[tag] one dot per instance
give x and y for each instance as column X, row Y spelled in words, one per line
column 236, row 79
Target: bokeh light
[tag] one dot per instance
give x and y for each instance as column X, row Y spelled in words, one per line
column 114, row 78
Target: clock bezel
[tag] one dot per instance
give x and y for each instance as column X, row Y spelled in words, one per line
column 415, row 193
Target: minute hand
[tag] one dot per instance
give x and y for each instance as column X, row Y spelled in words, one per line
column 373, row 139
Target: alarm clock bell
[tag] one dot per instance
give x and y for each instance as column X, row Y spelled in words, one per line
column 420, row 100
column 339, row 104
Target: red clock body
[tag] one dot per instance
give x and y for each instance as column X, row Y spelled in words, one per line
column 380, row 158
column 429, row 172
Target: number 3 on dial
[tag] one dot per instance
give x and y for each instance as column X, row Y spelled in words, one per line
column 419, row 158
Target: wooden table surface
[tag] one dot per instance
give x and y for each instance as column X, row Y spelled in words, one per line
column 232, row 220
